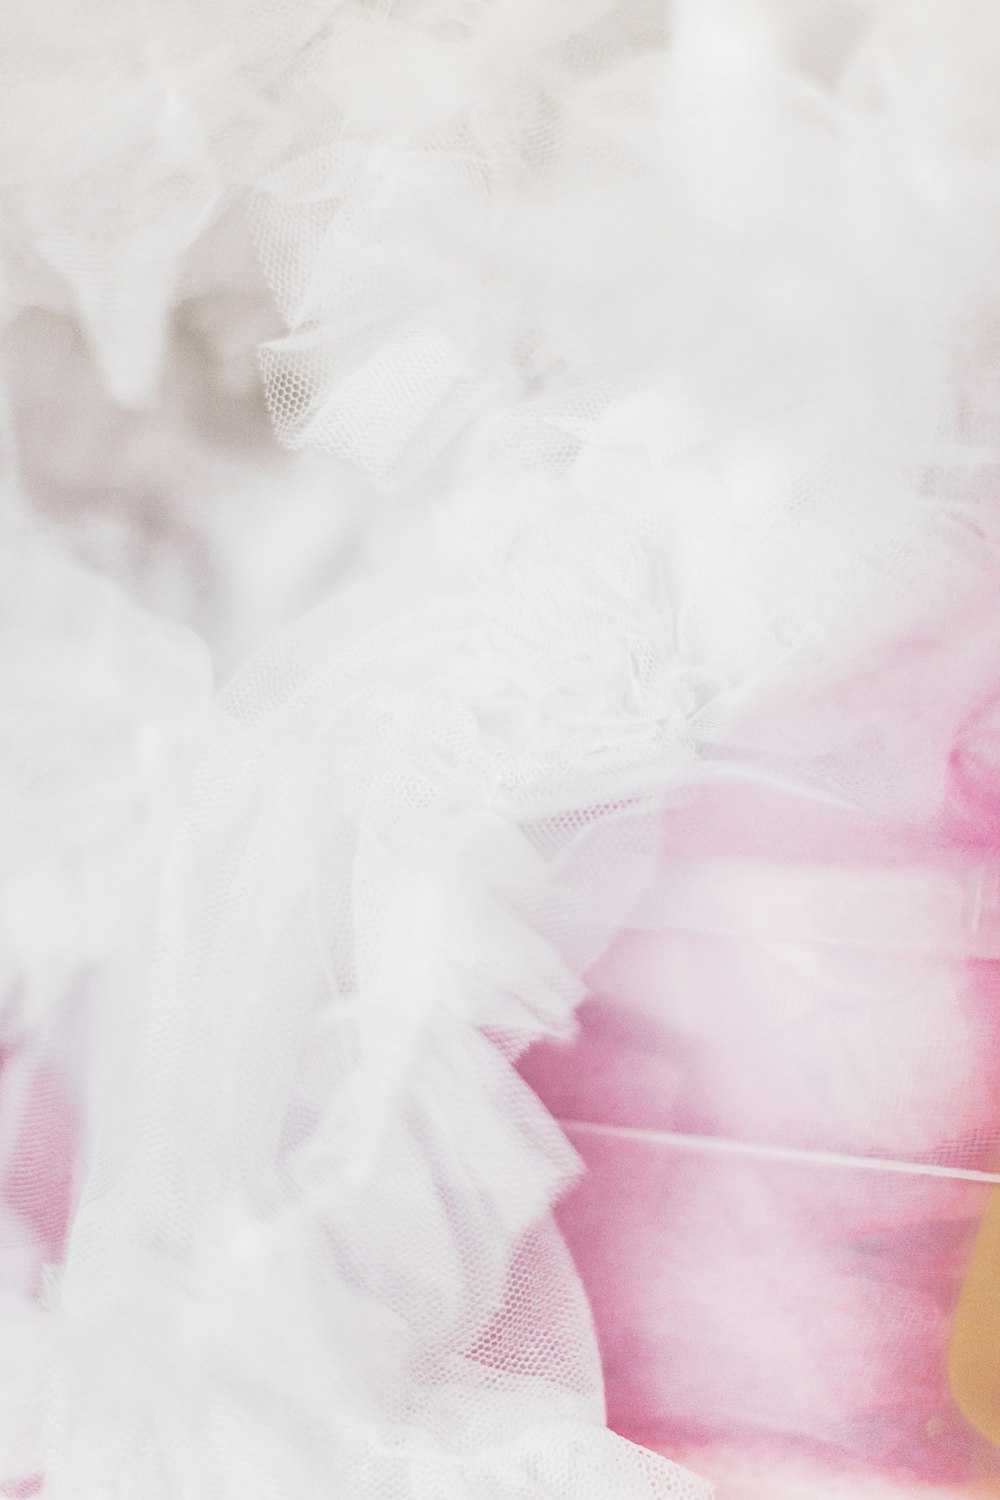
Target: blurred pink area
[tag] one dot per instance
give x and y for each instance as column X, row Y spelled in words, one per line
column 807, row 972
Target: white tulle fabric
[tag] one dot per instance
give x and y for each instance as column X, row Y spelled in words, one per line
column 640, row 345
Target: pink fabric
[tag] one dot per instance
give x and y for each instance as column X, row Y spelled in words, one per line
column 814, row 968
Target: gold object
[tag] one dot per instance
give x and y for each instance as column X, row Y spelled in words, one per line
column 974, row 1352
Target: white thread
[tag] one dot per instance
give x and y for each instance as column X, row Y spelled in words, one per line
column 721, row 1145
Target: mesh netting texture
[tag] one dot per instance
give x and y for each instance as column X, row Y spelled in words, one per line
column 498, row 648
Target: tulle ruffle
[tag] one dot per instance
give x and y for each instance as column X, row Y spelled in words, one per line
column 649, row 354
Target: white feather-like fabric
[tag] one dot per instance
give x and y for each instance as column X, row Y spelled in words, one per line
column 438, row 436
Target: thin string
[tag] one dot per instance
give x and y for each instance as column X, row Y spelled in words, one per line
column 723, row 1146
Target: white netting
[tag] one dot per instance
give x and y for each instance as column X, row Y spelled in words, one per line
column 650, row 351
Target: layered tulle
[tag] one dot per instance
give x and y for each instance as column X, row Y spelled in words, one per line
column 629, row 640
